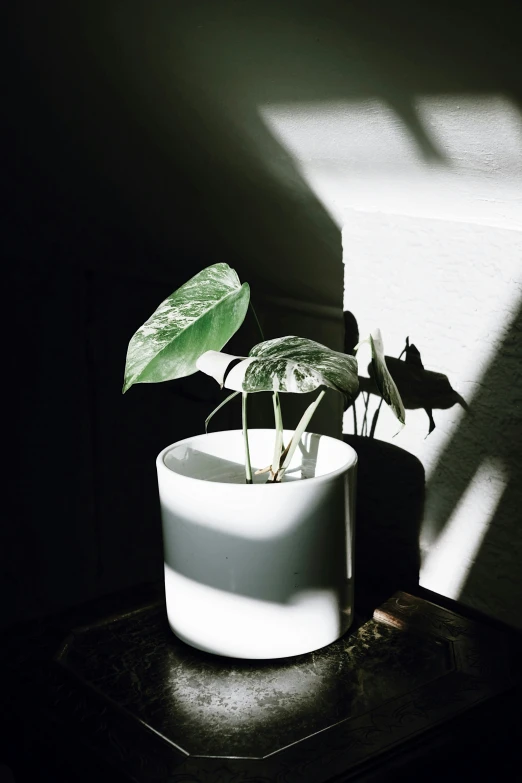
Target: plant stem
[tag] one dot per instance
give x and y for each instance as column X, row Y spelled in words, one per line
column 248, row 469
column 405, row 348
column 276, row 459
column 301, row 427
column 262, row 336
column 364, row 428
column 375, row 418
column 230, row 397
column 257, row 321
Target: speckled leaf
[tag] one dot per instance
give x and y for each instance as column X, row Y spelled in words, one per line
column 294, row 364
column 202, row 315
column 383, row 379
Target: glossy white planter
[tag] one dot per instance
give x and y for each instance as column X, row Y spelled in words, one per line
column 257, row 571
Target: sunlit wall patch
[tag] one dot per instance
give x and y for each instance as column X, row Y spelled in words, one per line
column 447, row 562
column 446, row 157
column 429, row 204
column 367, row 134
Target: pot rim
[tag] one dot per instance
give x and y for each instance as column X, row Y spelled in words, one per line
column 348, row 465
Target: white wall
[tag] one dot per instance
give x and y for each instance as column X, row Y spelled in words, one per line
column 433, row 251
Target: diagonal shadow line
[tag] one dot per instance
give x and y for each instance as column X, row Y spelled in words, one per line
column 483, row 433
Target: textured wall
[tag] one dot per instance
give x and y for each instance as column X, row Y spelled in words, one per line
column 433, row 251
column 455, row 289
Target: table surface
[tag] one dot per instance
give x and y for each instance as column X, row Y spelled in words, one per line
column 118, row 680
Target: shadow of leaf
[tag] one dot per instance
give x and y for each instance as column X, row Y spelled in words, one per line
column 418, row 387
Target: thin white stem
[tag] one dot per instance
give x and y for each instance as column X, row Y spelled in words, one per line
column 276, row 459
column 301, row 427
column 248, row 469
column 260, row 332
column 230, row 397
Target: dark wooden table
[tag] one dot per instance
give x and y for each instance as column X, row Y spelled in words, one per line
column 107, row 692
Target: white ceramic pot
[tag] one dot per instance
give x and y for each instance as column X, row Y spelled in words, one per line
column 262, row 570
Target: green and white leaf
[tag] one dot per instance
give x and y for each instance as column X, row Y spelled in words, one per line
column 286, row 364
column 385, row 383
column 295, row 364
column 200, row 316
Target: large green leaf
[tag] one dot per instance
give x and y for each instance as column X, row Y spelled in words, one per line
column 200, row 316
column 286, row 364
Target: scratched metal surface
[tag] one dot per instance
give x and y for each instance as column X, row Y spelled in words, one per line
column 207, row 705
column 115, row 686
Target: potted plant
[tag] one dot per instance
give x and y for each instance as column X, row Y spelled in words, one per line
column 257, row 525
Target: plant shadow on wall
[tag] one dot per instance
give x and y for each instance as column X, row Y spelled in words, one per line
column 391, row 481
column 396, row 511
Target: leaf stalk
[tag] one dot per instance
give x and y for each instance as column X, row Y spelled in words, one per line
column 248, row 468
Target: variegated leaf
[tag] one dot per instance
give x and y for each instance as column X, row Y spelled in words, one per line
column 286, row 364
column 202, row 315
column 295, row 364
column 383, row 379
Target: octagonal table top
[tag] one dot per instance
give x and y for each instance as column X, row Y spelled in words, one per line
column 149, row 702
